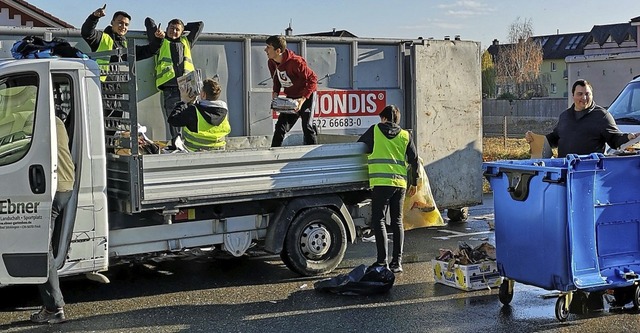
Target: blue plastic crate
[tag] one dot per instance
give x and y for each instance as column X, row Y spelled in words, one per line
column 567, row 223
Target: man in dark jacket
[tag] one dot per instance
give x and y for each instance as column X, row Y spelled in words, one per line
column 174, row 60
column 296, row 80
column 114, row 37
column 585, row 127
column 390, row 151
column 205, row 123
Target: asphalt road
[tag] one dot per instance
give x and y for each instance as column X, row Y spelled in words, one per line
column 257, row 293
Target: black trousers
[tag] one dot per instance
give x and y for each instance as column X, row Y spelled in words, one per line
column 171, row 96
column 391, row 198
column 287, row 120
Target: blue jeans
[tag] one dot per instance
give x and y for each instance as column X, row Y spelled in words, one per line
column 50, row 291
column 391, row 198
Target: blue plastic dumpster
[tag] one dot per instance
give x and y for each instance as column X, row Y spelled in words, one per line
column 568, row 224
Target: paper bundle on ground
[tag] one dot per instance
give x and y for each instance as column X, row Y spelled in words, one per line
column 420, row 210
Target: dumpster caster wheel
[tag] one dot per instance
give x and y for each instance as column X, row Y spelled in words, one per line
column 636, row 298
column 562, row 311
column 505, row 294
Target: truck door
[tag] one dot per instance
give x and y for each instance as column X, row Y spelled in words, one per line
column 27, row 154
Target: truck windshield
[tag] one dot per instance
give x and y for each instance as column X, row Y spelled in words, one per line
column 17, row 107
column 625, row 109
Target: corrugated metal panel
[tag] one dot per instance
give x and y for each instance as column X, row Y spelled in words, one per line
column 228, row 174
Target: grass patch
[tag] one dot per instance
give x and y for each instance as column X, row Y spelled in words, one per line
column 496, row 149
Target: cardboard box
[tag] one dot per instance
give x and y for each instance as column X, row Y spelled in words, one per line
column 467, row 277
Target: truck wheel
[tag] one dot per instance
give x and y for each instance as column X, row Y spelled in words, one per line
column 458, row 214
column 315, row 243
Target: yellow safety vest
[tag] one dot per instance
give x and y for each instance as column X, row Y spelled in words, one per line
column 106, row 44
column 164, row 64
column 387, row 165
column 208, row 137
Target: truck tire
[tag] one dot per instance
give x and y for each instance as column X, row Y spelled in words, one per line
column 315, row 243
column 458, row 214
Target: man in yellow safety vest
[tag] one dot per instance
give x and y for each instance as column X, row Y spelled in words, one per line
column 174, row 60
column 205, row 123
column 391, row 150
column 114, row 36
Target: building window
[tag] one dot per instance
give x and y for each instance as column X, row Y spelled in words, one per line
column 544, row 41
column 554, row 88
column 553, row 67
column 557, row 44
column 574, row 42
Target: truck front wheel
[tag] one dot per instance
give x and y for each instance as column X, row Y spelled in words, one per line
column 315, row 243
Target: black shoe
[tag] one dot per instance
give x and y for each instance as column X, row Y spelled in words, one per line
column 378, row 264
column 395, row 267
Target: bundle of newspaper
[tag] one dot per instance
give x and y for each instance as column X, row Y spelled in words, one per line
column 190, row 85
column 284, row 105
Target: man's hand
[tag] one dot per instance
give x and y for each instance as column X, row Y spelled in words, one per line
column 528, row 136
column 159, row 33
column 632, row 136
column 100, row 12
column 412, row 191
column 300, row 101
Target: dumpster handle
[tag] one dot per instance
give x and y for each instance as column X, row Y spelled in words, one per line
column 519, row 183
column 561, row 179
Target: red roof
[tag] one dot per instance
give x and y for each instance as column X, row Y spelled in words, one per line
column 29, row 12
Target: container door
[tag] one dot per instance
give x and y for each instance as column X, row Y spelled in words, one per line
column 27, row 151
column 447, row 122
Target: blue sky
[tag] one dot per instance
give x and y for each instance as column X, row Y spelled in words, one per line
column 481, row 20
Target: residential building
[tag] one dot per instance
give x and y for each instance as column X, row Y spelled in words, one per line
column 20, row 13
column 602, row 40
column 553, row 71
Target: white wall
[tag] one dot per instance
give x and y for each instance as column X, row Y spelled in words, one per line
column 608, row 74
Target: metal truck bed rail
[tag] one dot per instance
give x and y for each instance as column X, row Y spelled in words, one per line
column 167, row 181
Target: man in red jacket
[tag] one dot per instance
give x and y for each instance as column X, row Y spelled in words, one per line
column 291, row 75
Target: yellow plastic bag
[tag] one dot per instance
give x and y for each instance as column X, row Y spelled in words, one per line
column 420, row 210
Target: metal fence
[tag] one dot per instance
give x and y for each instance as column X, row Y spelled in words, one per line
column 513, row 118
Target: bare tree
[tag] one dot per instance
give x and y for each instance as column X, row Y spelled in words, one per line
column 518, row 63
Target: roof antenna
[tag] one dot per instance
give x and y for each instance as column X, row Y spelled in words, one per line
column 289, row 31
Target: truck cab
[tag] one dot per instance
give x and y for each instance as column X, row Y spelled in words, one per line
column 32, row 94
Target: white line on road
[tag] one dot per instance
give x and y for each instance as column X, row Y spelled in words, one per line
column 461, row 234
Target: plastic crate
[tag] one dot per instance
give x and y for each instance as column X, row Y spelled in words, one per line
column 567, row 223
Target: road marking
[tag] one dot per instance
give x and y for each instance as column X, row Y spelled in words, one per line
column 460, row 234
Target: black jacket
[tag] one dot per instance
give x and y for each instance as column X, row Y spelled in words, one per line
column 585, row 132
column 183, row 114
column 93, row 37
column 177, row 49
column 391, row 130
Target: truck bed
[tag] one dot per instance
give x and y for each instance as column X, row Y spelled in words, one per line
column 166, row 181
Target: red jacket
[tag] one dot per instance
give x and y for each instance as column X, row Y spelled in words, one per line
column 293, row 74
